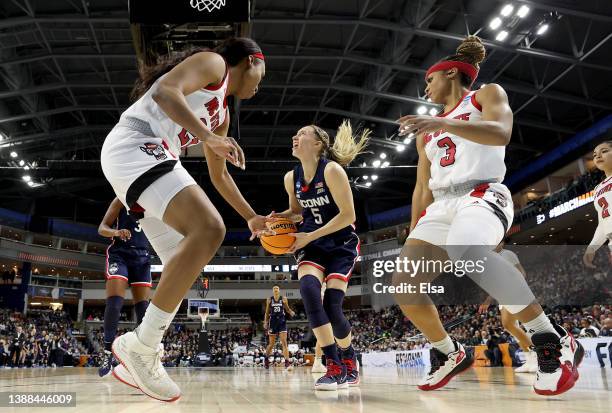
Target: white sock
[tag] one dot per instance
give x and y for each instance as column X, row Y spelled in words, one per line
column 445, row 345
column 540, row 324
column 153, row 326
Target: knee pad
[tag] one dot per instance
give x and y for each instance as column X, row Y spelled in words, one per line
column 310, row 289
column 140, row 307
column 114, row 303
column 163, row 238
column 332, row 303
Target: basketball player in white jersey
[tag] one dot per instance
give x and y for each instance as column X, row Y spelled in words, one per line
column 602, row 156
column 181, row 102
column 509, row 322
column 465, row 212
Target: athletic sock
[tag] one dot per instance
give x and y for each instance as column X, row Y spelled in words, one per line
column 331, row 352
column 154, row 324
column 347, row 353
column 445, row 346
column 540, row 324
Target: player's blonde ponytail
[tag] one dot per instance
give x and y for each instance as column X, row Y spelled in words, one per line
column 345, row 147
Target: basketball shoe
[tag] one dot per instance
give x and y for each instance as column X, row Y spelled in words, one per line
column 558, row 360
column 317, row 366
column 106, row 365
column 444, row 367
column 530, row 365
column 334, row 378
column 124, row 376
column 349, row 359
column 144, row 364
column 267, row 362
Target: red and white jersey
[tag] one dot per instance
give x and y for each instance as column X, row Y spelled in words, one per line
column 603, row 202
column 455, row 160
column 208, row 104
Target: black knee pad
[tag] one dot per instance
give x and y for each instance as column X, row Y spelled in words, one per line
column 332, row 303
column 310, row 289
column 140, row 307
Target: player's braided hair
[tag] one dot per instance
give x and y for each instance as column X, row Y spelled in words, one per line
column 472, row 51
column 345, row 147
column 233, row 50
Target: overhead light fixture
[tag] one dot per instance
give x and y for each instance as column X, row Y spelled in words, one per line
column 542, row 29
column 383, row 156
column 433, row 112
column 421, row 110
column 366, row 177
column 407, row 141
column 368, row 184
column 507, row 10
column 30, row 183
column 376, row 163
column 501, row 36
column 21, row 162
column 26, row 178
column 26, row 168
column 400, row 148
column 13, row 154
column 495, row 23
column 523, row 11
column 385, row 164
column 374, row 177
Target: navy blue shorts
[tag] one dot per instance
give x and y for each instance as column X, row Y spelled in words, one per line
column 277, row 327
column 134, row 270
column 336, row 258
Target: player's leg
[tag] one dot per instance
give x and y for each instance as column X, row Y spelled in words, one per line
column 283, row 339
column 270, row 347
column 317, row 365
column 115, row 292
column 191, row 231
column 507, row 285
column 511, row 325
column 141, row 283
column 311, row 277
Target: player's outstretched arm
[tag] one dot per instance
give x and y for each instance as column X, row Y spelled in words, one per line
column 598, row 240
column 106, row 229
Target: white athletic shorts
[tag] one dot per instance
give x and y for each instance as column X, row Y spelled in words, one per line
column 479, row 217
column 144, row 173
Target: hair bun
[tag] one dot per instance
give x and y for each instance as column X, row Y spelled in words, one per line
column 472, row 49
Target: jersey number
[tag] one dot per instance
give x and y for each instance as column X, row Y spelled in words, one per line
column 604, row 205
column 277, row 309
column 138, row 228
column 451, row 148
column 318, row 218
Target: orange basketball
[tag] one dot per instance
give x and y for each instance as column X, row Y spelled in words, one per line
column 279, row 244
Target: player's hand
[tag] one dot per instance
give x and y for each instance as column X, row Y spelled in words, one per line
column 301, row 240
column 587, row 259
column 420, row 124
column 275, row 216
column 265, row 326
column 227, row 148
column 123, row 234
column 484, row 307
column 258, row 225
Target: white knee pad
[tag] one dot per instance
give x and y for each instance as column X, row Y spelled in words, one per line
column 163, row 238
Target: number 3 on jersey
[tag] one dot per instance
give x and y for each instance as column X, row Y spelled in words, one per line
column 604, row 207
column 451, row 149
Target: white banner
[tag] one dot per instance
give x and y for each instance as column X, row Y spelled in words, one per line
column 410, row 358
column 597, row 352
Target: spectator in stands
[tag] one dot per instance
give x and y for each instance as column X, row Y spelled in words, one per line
column 588, row 329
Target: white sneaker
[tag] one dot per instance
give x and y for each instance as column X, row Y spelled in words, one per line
column 144, row 364
column 124, row 376
column 530, row 365
column 445, row 367
column 318, row 367
column 555, row 375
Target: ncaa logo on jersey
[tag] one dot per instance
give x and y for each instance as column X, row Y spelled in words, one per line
column 155, row 150
column 113, row 268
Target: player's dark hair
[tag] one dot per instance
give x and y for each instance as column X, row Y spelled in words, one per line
column 233, row 50
column 345, row 147
column 472, row 51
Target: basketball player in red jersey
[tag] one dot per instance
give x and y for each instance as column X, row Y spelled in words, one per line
column 464, row 213
column 602, row 156
column 181, row 102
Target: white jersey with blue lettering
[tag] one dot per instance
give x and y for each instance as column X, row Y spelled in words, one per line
column 456, row 160
column 208, row 104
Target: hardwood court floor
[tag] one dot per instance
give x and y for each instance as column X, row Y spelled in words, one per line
column 250, row 390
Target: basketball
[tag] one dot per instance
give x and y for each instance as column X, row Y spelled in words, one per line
column 279, row 244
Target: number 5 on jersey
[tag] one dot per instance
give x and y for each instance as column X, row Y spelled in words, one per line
column 318, row 218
